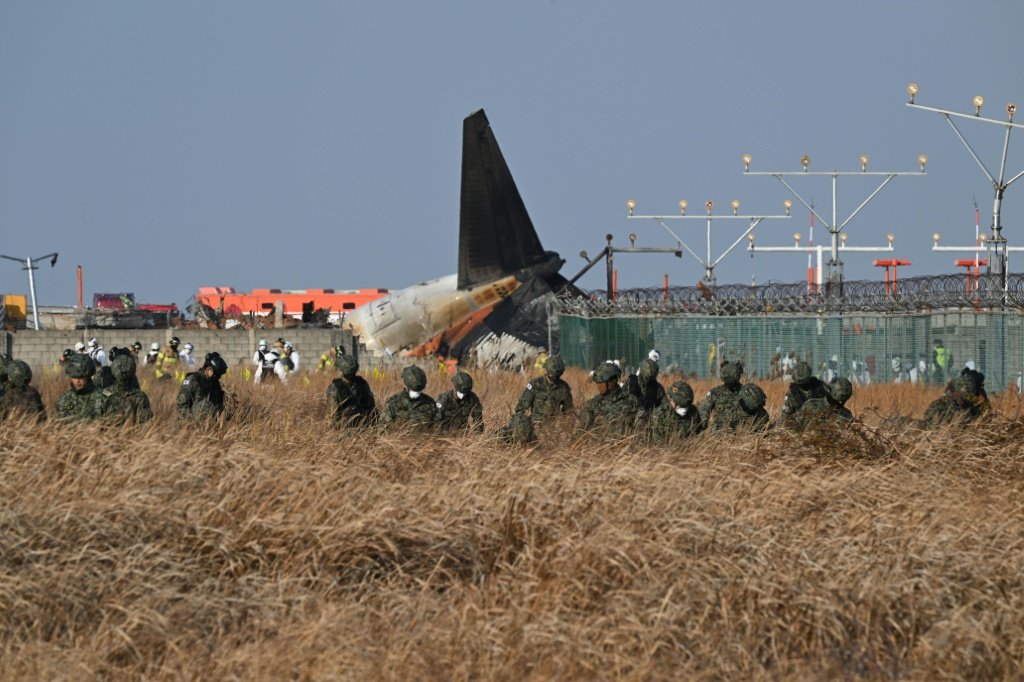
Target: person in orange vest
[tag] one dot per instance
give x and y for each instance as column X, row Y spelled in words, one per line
column 168, row 360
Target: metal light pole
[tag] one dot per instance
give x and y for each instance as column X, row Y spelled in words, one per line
column 814, row 287
column 997, row 264
column 708, row 262
column 835, row 227
column 29, row 264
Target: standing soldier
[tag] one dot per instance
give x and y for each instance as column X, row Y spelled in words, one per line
column 460, row 408
column 723, row 401
column 754, row 416
column 79, row 401
column 645, row 387
column 613, row 409
column 806, row 394
column 124, row 401
column 19, row 397
column 350, row 401
column 201, row 396
column 676, row 418
column 411, row 407
column 547, row 395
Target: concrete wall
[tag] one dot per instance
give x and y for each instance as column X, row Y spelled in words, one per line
column 41, row 348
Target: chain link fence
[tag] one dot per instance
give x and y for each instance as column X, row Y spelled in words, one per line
column 923, row 331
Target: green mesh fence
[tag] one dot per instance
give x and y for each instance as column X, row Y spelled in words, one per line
column 874, row 347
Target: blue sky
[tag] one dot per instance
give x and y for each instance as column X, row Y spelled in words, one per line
column 164, row 146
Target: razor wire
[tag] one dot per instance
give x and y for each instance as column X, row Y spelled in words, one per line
column 912, row 294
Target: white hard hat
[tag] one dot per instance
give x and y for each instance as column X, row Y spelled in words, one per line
column 79, row 346
column 154, row 346
column 189, row 346
column 288, row 344
column 93, row 342
column 263, row 343
column 654, row 355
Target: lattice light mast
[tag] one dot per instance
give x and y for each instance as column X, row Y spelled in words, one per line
column 996, row 243
column 834, row 280
column 708, row 262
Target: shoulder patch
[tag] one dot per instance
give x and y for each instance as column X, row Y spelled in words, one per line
column 529, row 386
column 707, row 394
column 185, row 382
column 438, row 405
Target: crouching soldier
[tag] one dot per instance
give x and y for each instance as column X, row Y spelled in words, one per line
column 19, row 397
column 201, row 396
column 460, row 408
column 614, row 409
column 350, row 401
column 124, row 402
column 753, row 415
column 677, row 418
column 519, row 430
column 79, row 401
column 411, row 407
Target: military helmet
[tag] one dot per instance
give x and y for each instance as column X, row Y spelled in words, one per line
column 123, row 368
column 606, row 371
column 414, row 378
column 975, row 378
column 215, row 362
column 137, row 346
column 752, row 397
column 347, row 364
column 802, row 372
column 554, row 366
column 648, row 369
column 67, row 353
column 731, row 372
column 79, row 366
column 19, row 373
column 681, row 394
column 174, row 341
column 841, row 389
column 961, row 384
column 116, row 352
column 339, row 350
column 462, row 382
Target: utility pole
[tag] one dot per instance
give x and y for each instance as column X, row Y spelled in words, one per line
column 29, row 264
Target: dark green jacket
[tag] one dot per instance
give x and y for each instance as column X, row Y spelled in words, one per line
column 200, row 397
column 350, row 402
column 22, row 399
column 545, row 398
column 454, row 414
column 74, row 404
column 668, row 426
column 721, row 408
column 122, row 404
column 616, row 412
column 401, row 410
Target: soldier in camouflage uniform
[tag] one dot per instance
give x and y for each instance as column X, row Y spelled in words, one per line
column 721, row 406
column 350, row 402
column 807, row 395
column 841, row 390
column 977, row 381
column 547, row 396
column 644, row 386
column 959, row 404
column 124, row 401
column 410, row 407
column 19, row 397
column 460, row 408
column 676, row 418
column 78, row 402
column 519, row 430
column 201, row 396
column 613, row 410
column 752, row 400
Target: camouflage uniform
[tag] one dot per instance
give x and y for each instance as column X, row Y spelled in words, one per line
column 455, row 413
column 807, row 398
column 676, row 418
column 350, row 402
column 201, row 396
column 4, row 361
column 752, row 400
column 519, row 430
column 410, row 407
column 958, row 404
column 75, row 403
column 614, row 410
column 723, row 402
column 841, row 390
column 19, row 397
column 123, row 402
column 547, row 396
column 644, row 386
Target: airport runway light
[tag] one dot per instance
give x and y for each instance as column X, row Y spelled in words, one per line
column 796, row 238
column 682, row 206
column 864, row 158
column 999, row 249
column 735, row 203
column 747, row 158
column 935, row 238
column 805, row 161
column 912, row 91
column 584, row 256
column 843, row 237
column 632, row 239
column 709, row 205
column 890, row 238
column 630, row 205
column 922, row 160
column 788, row 205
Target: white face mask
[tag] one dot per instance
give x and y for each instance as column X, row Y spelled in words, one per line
column 414, row 394
column 681, row 411
column 460, row 395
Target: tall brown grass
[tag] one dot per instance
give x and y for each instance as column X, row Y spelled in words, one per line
column 273, row 547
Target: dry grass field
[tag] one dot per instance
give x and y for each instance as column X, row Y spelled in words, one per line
column 273, row 547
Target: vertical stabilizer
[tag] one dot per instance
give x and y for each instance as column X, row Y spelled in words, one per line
column 496, row 235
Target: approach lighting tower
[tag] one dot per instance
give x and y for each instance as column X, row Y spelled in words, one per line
column 30, row 265
column 996, row 242
column 834, row 280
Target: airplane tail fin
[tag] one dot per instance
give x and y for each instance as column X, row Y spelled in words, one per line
column 496, row 235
